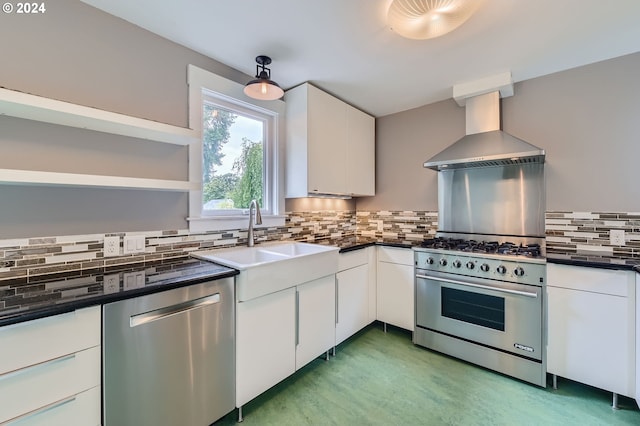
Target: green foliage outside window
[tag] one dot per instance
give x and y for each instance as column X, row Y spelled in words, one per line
column 245, row 182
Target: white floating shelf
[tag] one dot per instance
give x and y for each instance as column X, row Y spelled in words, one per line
column 30, row 177
column 31, row 107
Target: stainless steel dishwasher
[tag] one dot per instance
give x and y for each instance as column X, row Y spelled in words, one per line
column 169, row 357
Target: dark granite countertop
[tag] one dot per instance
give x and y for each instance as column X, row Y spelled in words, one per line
column 594, row 260
column 35, row 297
column 351, row 243
column 591, row 259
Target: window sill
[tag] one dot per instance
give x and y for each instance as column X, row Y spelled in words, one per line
column 222, row 223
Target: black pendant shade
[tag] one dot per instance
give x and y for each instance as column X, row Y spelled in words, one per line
column 262, row 87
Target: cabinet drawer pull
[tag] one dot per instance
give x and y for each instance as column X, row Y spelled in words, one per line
column 40, row 410
column 167, row 311
column 337, row 301
column 35, row 367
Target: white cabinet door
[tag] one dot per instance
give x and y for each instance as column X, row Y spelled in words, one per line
column 591, row 333
column 330, row 145
column 395, row 289
column 327, row 142
column 316, row 319
column 360, row 153
column 265, row 343
column 83, row 409
column 33, row 342
column 352, row 302
column 45, row 384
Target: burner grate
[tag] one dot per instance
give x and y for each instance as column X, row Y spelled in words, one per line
column 491, row 247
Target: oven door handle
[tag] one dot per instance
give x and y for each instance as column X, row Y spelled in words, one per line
column 485, row 287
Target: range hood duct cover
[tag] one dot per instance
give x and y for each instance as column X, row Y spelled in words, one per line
column 485, row 145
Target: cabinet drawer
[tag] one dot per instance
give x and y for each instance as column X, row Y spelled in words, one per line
column 31, row 388
column 82, row 409
column 604, row 281
column 33, row 342
column 401, row 256
column 354, row 258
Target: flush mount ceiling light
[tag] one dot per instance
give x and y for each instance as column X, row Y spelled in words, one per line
column 424, row 19
column 263, row 87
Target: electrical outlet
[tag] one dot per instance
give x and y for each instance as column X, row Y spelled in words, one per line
column 111, row 246
column 111, row 284
column 133, row 244
column 617, row 237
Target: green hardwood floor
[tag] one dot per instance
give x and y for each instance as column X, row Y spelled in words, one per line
column 381, row 378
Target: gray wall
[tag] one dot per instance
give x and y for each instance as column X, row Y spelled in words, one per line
column 78, row 54
column 587, row 119
column 403, row 142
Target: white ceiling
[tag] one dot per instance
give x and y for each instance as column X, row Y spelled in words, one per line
column 346, row 48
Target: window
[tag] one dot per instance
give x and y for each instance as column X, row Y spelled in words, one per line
column 233, row 158
column 237, row 158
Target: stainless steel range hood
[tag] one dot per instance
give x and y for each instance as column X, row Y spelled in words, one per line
column 485, row 144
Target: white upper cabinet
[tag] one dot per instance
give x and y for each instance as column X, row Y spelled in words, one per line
column 361, row 150
column 330, row 146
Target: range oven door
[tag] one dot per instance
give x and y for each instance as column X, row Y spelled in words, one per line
column 501, row 315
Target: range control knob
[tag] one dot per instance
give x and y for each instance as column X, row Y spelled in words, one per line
column 429, row 260
column 501, row 269
column 518, row 271
column 470, row 265
column 457, row 263
column 484, row 267
column 443, row 262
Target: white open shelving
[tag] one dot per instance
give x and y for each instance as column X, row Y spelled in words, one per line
column 31, row 177
column 32, row 107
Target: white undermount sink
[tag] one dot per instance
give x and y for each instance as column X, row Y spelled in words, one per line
column 267, row 268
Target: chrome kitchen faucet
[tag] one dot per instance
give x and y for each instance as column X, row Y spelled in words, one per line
column 258, row 220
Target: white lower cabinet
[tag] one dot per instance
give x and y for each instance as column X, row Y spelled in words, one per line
column 352, row 302
column 395, row 293
column 316, row 330
column 591, row 327
column 280, row 332
column 50, row 370
column 265, row 343
column 355, row 292
column 79, row 410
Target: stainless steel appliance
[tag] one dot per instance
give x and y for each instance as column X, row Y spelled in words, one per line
column 483, row 302
column 169, row 357
column 480, row 284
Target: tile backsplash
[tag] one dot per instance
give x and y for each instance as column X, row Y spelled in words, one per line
column 397, row 226
column 567, row 233
column 573, row 233
column 29, row 258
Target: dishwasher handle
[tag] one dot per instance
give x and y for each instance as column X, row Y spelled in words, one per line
column 167, row 311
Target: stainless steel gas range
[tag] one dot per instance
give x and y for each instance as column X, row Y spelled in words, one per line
column 483, row 301
column 480, row 284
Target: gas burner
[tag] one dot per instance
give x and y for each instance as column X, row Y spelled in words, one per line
column 490, row 247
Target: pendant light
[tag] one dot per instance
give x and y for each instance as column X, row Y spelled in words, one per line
column 262, row 87
column 424, row 19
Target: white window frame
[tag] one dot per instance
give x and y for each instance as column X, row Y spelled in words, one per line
column 202, row 85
